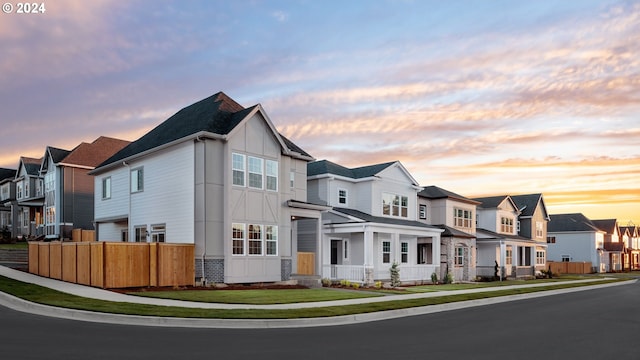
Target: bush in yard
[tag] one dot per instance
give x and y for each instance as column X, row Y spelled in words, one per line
column 395, row 274
column 434, row 277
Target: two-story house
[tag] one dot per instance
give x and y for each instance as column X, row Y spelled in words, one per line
column 30, row 198
column 69, row 190
column 633, row 245
column 532, row 224
column 8, row 203
column 373, row 223
column 574, row 237
column 456, row 215
column 614, row 248
column 498, row 241
column 217, row 175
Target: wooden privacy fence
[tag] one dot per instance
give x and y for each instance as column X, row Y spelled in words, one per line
column 114, row 265
column 80, row 235
column 566, row 267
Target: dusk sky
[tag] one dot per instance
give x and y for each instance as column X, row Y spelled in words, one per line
column 477, row 97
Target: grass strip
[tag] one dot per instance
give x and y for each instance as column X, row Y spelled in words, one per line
column 51, row 297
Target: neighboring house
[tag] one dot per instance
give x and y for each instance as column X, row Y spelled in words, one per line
column 532, row 223
column 456, row 215
column 632, row 245
column 30, row 198
column 69, row 190
column 614, row 248
column 373, row 223
column 498, row 241
column 573, row 237
column 219, row 176
column 8, row 202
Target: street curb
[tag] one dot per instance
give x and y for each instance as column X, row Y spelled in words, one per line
column 22, row 305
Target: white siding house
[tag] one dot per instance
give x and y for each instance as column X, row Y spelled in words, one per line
column 573, row 237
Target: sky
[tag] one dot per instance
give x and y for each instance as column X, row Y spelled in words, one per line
column 477, row 97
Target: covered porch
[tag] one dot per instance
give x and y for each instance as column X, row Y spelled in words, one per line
column 515, row 257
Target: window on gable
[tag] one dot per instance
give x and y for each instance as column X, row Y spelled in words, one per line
column 539, row 229
column 342, row 196
column 106, row 188
column 395, row 205
column 137, row 180
column 272, row 175
column 238, row 169
column 292, row 179
column 255, row 172
column 506, row 225
column 423, row 211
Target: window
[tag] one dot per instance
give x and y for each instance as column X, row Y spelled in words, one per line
column 462, row 218
column 566, row 258
column 237, row 239
column 19, row 187
column 551, row 239
column 255, row 172
column 292, row 180
column 506, row 225
column 137, row 180
column 271, row 239
column 345, row 253
column 255, row 239
column 458, row 257
column 395, row 205
column 124, row 235
column 272, row 175
column 404, row 252
column 540, row 258
column 423, row 212
column 106, row 188
column 50, row 215
column 386, row 252
column 158, row 233
column 508, row 257
column 140, row 233
column 539, row 229
column 39, row 187
column 26, row 188
column 238, row 169
column 25, row 218
column 342, row 196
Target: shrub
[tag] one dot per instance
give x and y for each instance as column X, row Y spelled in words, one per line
column 326, row 282
column 395, row 274
column 378, row 285
column 355, row 285
column 434, row 278
column 448, row 278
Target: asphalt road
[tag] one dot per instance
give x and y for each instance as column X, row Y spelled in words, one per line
column 594, row 324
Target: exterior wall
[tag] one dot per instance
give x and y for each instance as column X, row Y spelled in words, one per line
column 580, row 246
column 112, row 231
column 117, row 206
column 77, row 201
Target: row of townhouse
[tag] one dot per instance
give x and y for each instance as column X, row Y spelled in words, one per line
column 258, row 208
column 50, row 196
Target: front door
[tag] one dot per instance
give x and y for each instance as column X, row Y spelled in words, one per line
column 335, row 247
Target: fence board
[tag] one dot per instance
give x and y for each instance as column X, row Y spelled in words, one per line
column 88, row 235
column 43, row 259
column 175, row 265
column 306, row 263
column 126, row 265
column 565, row 267
column 33, row 257
column 83, row 263
column 97, row 264
column 76, row 235
column 55, row 260
column 69, row 262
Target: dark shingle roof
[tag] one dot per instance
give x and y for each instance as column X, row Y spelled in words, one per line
column 31, row 165
column 382, row 220
column 58, row 154
column 218, row 114
column 606, row 225
column 434, row 192
column 490, row 201
column 7, row 174
column 328, row 167
column 527, row 203
column 452, row 232
column 495, row 235
column 570, row 222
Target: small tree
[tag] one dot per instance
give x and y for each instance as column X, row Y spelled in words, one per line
column 495, row 270
column 395, row 274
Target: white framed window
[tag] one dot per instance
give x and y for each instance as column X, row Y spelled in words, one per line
column 506, row 225
column 140, row 233
column 342, row 196
column 508, row 257
column 458, row 256
column 462, row 218
column 271, row 170
column 106, row 188
column 124, row 235
column 255, row 172
column 158, row 233
column 237, row 239
column 518, row 226
column 19, row 187
column 566, row 258
column 540, row 257
column 539, row 229
column 404, row 252
column 551, row 239
column 255, row 239
column 271, row 239
column 39, row 187
column 26, row 188
column 137, row 180
column 238, row 167
column 345, row 250
column 422, row 211
column 292, row 179
column 395, row 205
column 50, row 215
column 386, row 252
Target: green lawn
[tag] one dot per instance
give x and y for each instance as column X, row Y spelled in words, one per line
column 256, row 297
column 47, row 296
column 18, row 245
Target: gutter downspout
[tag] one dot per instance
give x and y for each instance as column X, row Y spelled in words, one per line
column 203, row 278
column 129, row 213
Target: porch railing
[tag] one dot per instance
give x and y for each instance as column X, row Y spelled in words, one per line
column 354, row 273
column 416, row 272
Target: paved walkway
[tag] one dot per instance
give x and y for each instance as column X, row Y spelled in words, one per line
column 96, row 293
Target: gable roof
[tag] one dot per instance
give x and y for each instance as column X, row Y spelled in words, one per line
column 528, row 203
column 92, row 154
column 632, row 229
column 327, row 167
column 434, row 192
column 570, row 222
column 217, row 114
column 57, row 154
column 492, row 202
column 453, row 232
column 607, row 225
column 382, row 219
column 31, row 165
column 7, row 174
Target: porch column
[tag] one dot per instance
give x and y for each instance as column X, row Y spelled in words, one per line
column 503, row 257
column 319, row 257
column 368, row 255
column 435, row 256
column 395, row 245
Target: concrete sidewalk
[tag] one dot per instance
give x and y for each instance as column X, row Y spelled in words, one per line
column 95, row 293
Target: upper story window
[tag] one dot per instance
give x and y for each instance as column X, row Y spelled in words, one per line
column 6, row 190
column 506, row 225
column 462, row 218
column 423, row 211
column 342, row 197
column 49, row 182
column 238, row 169
column 137, row 180
column 539, row 229
column 39, row 187
column 26, row 188
column 255, row 172
column 272, row 175
column 19, row 188
column 395, row 205
column 292, row 179
column 106, row 188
